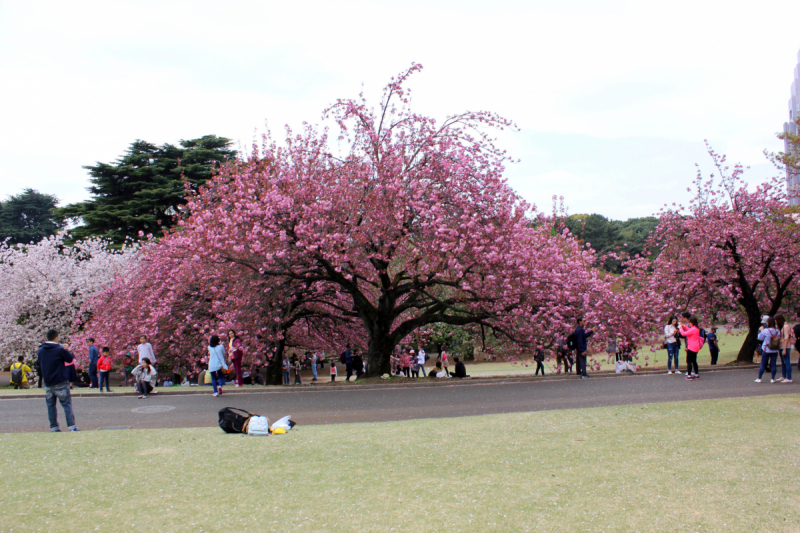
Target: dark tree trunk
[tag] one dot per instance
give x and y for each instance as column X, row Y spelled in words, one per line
column 751, row 340
column 381, row 346
column 275, row 368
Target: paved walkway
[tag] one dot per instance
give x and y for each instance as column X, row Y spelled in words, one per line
column 387, row 403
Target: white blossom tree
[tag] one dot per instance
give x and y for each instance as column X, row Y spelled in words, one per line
column 46, row 285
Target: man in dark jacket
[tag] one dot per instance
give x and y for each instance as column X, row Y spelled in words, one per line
column 461, row 370
column 582, row 342
column 94, row 356
column 52, row 358
column 347, row 355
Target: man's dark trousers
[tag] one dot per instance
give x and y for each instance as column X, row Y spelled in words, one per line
column 93, row 375
column 581, row 363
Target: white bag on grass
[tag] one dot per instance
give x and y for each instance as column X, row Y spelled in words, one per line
column 258, row 425
column 284, row 423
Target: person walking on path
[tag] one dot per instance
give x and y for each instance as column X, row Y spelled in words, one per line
column 104, row 366
column 19, row 374
column 145, row 349
column 94, row 356
column 713, row 345
column 237, row 353
column 333, row 371
column 314, row 363
column 145, row 375
column 421, row 360
column 347, row 355
column 787, row 340
column 216, row 362
column 287, row 368
column 673, row 345
column 538, row 356
column 690, row 330
column 770, row 338
column 582, row 344
column 52, row 360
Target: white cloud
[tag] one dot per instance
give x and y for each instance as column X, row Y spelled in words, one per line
column 84, row 79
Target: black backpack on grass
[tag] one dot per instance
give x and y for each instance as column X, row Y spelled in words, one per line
column 231, row 419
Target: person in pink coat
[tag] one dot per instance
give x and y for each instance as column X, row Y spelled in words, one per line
column 690, row 330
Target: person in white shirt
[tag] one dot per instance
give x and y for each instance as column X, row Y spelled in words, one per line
column 421, row 361
column 145, row 350
column 673, row 346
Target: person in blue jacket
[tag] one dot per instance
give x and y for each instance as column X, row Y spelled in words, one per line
column 52, row 359
column 94, row 356
column 582, row 341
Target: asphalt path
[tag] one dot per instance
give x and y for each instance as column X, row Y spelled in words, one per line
column 389, row 403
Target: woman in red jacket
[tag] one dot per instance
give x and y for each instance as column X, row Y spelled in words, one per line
column 690, row 330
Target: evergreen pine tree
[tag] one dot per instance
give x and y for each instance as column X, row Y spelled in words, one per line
column 144, row 189
column 29, row 217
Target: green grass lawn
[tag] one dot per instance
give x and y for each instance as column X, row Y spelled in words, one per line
column 721, row 465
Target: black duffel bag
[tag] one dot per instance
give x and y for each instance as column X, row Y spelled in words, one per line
column 231, row 419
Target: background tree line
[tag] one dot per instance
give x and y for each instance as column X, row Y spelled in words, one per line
column 139, row 192
column 605, row 235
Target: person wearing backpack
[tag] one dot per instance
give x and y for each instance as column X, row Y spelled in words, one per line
column 104, row 367
column 19, row 374
column 770, row 338
column 787, row 339
column 694, row 342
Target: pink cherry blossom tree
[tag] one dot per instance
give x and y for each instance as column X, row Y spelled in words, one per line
column 733, row 252
column 410, row 225
column 46, row 285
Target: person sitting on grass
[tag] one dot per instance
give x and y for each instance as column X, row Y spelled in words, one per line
column 438, row 371
column 461, row 370
column 145, row 375
column 19, row 374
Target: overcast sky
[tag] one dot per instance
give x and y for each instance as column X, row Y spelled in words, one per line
column 613, row 98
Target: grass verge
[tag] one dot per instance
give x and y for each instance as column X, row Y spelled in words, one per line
column 720, row 465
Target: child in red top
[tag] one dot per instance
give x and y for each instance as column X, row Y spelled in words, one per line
column 333, row 370
column 104, row 367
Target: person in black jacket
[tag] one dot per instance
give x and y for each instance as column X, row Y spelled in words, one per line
column 582, row 344
column 461, row 370
column 52, row 358
column 538, row 356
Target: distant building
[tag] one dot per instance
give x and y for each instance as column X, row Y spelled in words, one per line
column 793, row 178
